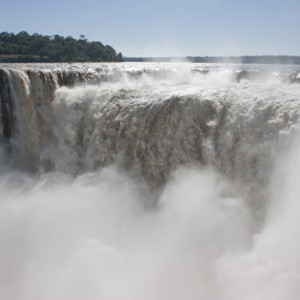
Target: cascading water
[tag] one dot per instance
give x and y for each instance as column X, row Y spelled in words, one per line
column 149, row 181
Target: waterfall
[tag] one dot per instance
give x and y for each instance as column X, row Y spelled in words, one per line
column 152, row 119
column 165, row 181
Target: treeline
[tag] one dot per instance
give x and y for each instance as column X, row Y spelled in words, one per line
column 261, row 59
column 23, row 47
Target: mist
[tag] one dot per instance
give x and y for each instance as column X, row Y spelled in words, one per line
column 106, row 235
column 150, row 182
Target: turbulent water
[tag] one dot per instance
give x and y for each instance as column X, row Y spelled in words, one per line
column 149, row 181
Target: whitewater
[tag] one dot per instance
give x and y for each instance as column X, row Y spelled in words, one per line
column 145, row 181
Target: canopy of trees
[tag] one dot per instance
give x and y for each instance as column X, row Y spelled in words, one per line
column 23, row 47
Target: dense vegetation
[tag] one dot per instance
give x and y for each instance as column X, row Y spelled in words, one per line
column 262, row 59
column 23, row 47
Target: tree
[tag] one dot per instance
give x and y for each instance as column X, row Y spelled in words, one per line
column 38, row 47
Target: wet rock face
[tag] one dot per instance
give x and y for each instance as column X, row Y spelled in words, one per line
column 6, row 106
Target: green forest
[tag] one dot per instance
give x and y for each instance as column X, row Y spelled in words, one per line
column 23, row 47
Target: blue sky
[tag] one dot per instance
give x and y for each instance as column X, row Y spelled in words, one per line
column 165, row 27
